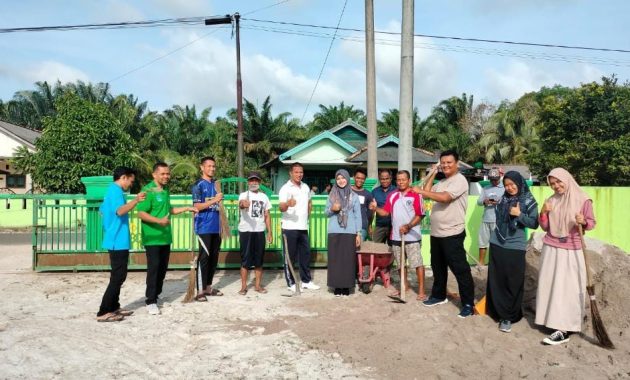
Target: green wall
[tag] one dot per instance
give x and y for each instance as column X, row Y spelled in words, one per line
column 612, row 218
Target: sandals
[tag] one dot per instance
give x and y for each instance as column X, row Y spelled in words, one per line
column 422, row 297
column 242, row 292
column 124, row 312
column 201, row 298
column 214, row 293
column 110, row 317
column 262, row 291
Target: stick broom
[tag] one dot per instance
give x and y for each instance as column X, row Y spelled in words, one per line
column 598, row 324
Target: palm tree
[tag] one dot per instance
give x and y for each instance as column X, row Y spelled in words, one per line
column 264, row 135
column 511, row 132
column 330, row 116
column 389, row 122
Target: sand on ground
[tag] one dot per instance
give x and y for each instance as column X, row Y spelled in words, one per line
column 48, row 331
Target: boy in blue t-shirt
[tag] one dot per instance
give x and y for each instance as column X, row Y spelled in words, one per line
column 206, row 199
column 114, row 211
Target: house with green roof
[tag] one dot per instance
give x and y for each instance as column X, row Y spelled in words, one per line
column 342, row 147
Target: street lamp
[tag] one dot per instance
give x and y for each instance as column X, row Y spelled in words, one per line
column 239, row 85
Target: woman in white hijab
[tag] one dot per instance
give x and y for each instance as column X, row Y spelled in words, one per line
column 562, row 280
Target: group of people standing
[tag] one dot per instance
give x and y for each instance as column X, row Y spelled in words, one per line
column 509, row 210
column 350, row 209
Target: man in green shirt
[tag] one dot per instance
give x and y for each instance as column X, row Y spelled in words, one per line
column 155, row 212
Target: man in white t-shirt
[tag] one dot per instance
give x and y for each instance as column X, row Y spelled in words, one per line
column 448, row 224
column 295, row 204
column 254, row 206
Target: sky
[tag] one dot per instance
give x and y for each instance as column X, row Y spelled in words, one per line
column 195, row 64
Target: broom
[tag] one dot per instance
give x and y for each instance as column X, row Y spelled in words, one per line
column 598, row 324
column 190, row 291
column 225, row 224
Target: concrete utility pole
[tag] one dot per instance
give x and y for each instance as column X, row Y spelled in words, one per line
column 370, row 90
column 239, row 100
column 405, row 122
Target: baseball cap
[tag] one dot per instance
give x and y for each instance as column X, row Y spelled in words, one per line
column 254, row 175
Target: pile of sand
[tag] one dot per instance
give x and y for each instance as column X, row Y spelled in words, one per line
column 610, row 269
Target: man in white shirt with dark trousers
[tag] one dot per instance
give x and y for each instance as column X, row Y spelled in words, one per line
column 295, row 205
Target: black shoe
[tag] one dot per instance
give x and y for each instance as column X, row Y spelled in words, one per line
column 345, row 292
column 557, row 337
column 338, row 292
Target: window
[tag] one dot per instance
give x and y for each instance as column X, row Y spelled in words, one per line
column 16, row 181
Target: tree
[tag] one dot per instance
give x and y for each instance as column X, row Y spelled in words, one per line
column 82, row 139
column 445, row 129
column 389, row 122
column 264, row 135
column 330, row 116
column 511, row 133
column 586, row 131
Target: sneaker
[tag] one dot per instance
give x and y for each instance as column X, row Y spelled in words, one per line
column 556, row 337
column 505, row 326
column 310, row 285
column 291, row 288
column 467, row 311
column 153, row 309
column 432, row 301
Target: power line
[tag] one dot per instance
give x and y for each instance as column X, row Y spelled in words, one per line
column 325, row 60
column 111, row 25
column 446, row 37
column 199, row 20
column 453, row 48
column 165, row 55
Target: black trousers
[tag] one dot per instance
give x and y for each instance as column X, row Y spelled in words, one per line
column 118, row 260
column 300, row 252
column 506, row 283
column 157, row 264
column 448, row 252
column 207, row 263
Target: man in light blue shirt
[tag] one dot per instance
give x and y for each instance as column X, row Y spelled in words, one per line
column 114, row 211
column 488, row 198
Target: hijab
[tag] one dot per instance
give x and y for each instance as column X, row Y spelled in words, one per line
column 565, row 206
column 506, row 223
column 342, row 196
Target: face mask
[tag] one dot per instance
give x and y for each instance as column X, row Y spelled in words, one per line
column 254, row 187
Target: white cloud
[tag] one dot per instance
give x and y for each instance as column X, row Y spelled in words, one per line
column 205, row 74
column 520, row 77
column 435, row 74
column 50, row 71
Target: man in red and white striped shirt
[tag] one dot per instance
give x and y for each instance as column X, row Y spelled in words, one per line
column 405, row 208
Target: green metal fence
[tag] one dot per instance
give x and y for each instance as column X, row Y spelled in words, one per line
column 64, row 225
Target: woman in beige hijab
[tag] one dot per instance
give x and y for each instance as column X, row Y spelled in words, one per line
column 562, row 279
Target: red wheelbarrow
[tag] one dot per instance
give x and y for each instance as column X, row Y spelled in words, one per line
column 376, row 258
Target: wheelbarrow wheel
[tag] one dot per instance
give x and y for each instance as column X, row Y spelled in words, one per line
column 366, row 287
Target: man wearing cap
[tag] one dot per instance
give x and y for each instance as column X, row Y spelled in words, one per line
column 254, row 206
column 488, row 198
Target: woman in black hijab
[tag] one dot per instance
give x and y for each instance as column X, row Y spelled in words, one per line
column 516, row 211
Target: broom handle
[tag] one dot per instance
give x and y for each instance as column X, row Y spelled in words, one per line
column 589, row 280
